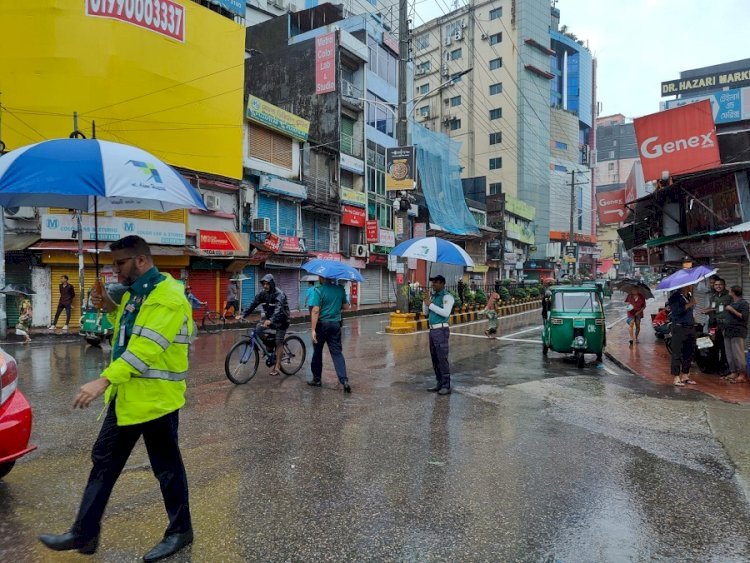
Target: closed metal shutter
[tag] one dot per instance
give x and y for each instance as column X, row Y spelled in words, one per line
column 287, row 281
column 287, row 218
column 388, row 287
column 21, row 275
column 249, row 286
column 369, row 289
column 203, row 284
column 730, row 272
column 267, row 207
column 316, row 231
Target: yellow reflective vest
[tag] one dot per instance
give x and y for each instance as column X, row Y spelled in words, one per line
column 148, row 379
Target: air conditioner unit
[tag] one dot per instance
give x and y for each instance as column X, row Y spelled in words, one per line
column 291, row 7
column 277, row 4
column 446, row 72
column 458, row 35
column 348, row 89
column 420, row 71
column 211, row 201
column 463, row 24
column 358, row 250
column 20, row 213
column 447, row 40
column 447, row 56
column 484, row 37
column 447, row 101
column 261, row 225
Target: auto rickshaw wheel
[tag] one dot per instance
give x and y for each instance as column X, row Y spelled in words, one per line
column 545, row 348
column 94, row 341
column 5, row 468
column 580, row 359
column 599, row 357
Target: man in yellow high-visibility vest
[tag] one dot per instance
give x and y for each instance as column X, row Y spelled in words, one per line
column 144, row 388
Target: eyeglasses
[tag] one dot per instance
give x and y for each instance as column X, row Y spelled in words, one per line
column 120, row 263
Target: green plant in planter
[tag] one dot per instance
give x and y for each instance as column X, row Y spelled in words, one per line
column 534, row 292
column 470, row 298
column 456, row 301
column 415, row 303
column 504, row 293
column 521, row 293
column 480, row 298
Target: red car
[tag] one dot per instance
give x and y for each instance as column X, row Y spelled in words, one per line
column 15, row 416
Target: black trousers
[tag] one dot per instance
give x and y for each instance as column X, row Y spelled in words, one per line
column 60, row 308
column 718, row 353
column 439, row 353
column 683, row 346
column 328, row 332
column 109, row 455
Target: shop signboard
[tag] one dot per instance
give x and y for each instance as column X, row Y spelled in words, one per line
column 640, row 256
column 727, row 106
column 711, row 81
column 273, row 117
column 164, row 17
column 63, row 226
column 400, row 172
column 353, row 216
column 325, row 68
column 387, row 238
column 677, row 141
column 378, row 259
column 327, row 256
column 420, row 230
column 352, row 164
column 353, row 196
column 372, row 230
column 272, row 242
column 611, row 206
column 223, row 243
column 292, row 244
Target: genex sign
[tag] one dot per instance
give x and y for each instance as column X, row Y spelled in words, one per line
column 610, row 206
column 679, row 140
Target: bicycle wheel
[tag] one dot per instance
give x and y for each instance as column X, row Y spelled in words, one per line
column 212, row 321
column 241, row 363
column 293, row 357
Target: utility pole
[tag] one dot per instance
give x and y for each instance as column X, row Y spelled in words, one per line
column 3, row 313
column 79, row 226
column 402, row 293
column 571, row 236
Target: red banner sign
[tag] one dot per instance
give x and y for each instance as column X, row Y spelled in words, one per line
column 272, row 242
column 353, row 216
column 677, row 141
column 162, row 16
column 611, row 206
column 223, row 243
column 640, row 256
column 292, row 244
column 372, row 230
column 325, row 67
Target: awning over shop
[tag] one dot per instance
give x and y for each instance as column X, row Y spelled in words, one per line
column 19, row 241
column 88, row 247
column 741, row 228
column 671, row 239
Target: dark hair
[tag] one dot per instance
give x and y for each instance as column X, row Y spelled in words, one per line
column 717, row 279
column 737, row 290
column 133, row 243
column 66, row 277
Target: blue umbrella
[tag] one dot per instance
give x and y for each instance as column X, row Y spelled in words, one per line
column 332, row 270
column 433, row 249
column 91, row 175
column 685, row 277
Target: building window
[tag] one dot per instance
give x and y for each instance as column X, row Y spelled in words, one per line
column 561, row 146
column 424, row 88
column 424, row 111
column 457, row 77
column 496, row 138
column 496, row 188
column 454, row 124
column 496, row 38
column 560, row 168
column 496, row 63
column 455, row 54
column 378, row 116
column 495, row 89
column 425, row 66
column 496, row 163
column 455, row 101
column 496, row 13
column 496, row 113
column 422, row 41
column 611, row 167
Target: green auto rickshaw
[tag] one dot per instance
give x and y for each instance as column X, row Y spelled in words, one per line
column 574, row 321
column 95, row 325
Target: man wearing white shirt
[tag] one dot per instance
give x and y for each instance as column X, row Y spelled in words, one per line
column 438, row 310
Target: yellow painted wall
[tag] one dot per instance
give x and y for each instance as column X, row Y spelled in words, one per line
column 180, row 101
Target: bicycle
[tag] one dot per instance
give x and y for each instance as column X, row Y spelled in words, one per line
column 213, row 321
column 242, row 360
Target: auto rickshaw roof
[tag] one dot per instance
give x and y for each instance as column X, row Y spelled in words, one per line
column 576, row 288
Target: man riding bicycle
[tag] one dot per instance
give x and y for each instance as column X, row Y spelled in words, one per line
column 277, row 314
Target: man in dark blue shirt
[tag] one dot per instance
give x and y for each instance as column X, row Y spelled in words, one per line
column 682, row 304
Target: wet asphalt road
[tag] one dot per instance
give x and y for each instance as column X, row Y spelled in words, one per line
column 530, row 459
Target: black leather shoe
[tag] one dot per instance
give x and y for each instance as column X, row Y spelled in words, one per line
column 444, row 391
column 347, row 387
column 434, row 389
column 170, row 545
column 314, row 383
column 69, row 541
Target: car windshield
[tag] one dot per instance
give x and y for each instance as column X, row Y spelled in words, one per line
column 575, row 302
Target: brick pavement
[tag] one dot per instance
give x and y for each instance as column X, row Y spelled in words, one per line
column 649, row 357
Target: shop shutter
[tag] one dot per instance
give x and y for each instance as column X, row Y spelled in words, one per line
column 287, row 218
column 249, row 286
column 369, row 289
column 267, row 207
column 270, row 146
column 731, row 272
column 70, row 270
column 317, row 232
column 203, row 284
column 287, row 280
column 175, row 216
column 388, row 287
column 21, row 275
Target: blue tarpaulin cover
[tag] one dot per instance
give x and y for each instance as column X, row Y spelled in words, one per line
column 440, row 176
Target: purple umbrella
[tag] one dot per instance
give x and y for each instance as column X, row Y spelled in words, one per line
column 687, row 276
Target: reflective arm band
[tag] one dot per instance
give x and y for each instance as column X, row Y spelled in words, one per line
column 138, row 365
column 151, row 335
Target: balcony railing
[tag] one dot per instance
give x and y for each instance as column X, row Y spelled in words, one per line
column 352, row 145
column 322, row 193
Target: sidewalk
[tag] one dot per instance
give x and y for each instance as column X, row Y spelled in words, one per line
column 649, row 358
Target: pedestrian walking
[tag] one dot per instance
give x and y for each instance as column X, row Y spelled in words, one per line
column 636, row 304
column 67, row 294
column 491, row 313
column 25, row 314
column 438, row 307
column 461, row 290
column 327, row 301
column 735, row 334
column 276, row 309
column 681, row 305
column 309, row 296
column 232, row 305
column 719, row 298
column 144, row 389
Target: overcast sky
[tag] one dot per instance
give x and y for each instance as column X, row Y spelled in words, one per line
column 641, row 43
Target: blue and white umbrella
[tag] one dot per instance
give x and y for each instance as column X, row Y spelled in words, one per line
column 90, row 175
column 332, row 270
column 433, row 249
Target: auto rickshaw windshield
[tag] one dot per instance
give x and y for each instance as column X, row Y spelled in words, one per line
column 577, row 302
